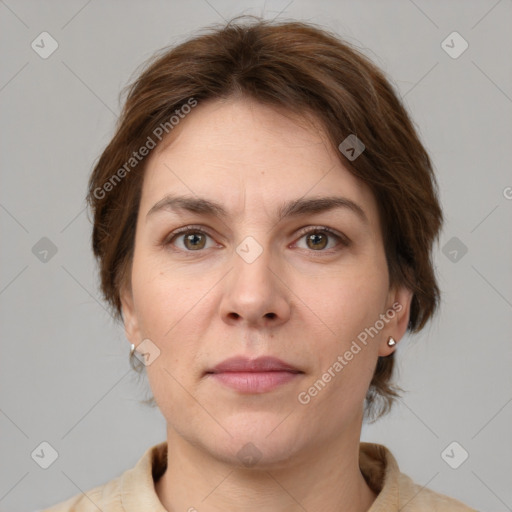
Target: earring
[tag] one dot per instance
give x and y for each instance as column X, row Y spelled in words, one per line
column 132, row 350
column 391, row 341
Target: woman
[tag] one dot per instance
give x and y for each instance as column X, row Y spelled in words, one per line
column 263, row 221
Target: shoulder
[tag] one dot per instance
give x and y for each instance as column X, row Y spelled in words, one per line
column 134, row 489
column 417, row 498
column 106, row 497
column 395, row 490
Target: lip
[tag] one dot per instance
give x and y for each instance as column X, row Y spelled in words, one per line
column 260, row 364
column 259, row 375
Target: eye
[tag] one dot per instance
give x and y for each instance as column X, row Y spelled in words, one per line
column 317, row 238
column 192, row 238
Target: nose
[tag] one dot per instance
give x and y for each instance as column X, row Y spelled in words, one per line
column 255, row 294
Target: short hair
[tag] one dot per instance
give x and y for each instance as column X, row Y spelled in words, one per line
column 305, row 70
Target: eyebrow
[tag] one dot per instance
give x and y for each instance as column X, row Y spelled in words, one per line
column 294, row 208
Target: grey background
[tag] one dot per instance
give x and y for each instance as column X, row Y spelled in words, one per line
column 64, row 371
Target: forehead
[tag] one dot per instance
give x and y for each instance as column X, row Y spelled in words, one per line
column 245, row 153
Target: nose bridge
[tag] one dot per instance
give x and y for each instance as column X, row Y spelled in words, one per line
column 252, row 275
column 253, row 292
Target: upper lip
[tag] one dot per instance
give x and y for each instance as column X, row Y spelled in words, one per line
column 260, row 364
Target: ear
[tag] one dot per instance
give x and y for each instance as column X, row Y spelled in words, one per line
column 130, row 321
column 397, row 313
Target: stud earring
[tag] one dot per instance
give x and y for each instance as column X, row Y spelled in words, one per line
column 391, row 341
column 132, row 350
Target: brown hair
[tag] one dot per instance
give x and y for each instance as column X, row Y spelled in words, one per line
column 303, row 69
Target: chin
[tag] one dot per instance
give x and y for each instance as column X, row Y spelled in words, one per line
column 256, row 454
column 258, row 441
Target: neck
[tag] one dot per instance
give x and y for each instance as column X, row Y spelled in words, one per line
column 328, row 479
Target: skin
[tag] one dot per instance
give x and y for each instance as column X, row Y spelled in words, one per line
column 301, row 302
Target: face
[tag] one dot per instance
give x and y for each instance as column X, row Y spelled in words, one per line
column 236, row 256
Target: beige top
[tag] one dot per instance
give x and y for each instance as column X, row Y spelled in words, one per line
column 134, row 490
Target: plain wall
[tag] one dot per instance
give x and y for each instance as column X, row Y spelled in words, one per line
column 64, row 372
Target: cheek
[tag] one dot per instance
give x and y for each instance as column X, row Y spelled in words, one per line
column 163, row 295
column 173, row 310
column 171, row 314
column 350, row 303
column 351, row 300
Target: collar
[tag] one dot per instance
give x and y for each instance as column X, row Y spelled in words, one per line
column 376, row 462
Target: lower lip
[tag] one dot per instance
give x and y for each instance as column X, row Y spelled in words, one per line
column 254, row 382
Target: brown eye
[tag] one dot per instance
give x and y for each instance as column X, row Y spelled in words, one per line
column 317, row 240
column 320, row 238
column 194, row 241
column 189, row 239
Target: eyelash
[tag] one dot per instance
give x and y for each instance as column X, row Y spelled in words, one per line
column 343, row 241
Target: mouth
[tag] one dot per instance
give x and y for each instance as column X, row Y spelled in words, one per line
column 253, row 376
